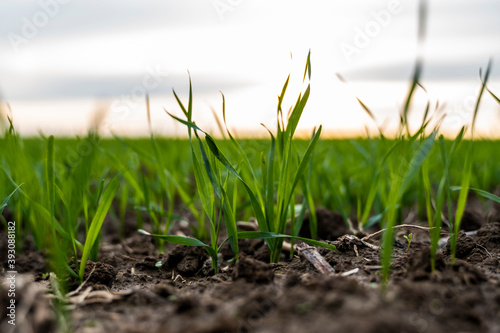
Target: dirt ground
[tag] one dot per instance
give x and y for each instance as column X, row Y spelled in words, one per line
column 132, row 288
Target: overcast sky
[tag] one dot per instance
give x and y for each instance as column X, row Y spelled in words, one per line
column 94, row 48
column 60, row 49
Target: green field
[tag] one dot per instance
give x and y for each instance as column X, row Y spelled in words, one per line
column 61, row 191
column 163, row 185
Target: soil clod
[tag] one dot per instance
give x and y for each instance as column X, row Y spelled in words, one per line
column 98, row 275
column 253, row 270
column 465, row 245
column 331, row 225
column 186, row 260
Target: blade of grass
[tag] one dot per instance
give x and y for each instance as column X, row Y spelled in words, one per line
column 182, row 240
column 272, row 235
column 5, row 201
column 486, row 194
column 401, row 181
column 97, row 221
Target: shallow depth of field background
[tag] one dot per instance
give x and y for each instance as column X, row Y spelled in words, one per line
column 62, row 60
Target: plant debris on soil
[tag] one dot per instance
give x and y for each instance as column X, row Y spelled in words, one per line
column 132, row 288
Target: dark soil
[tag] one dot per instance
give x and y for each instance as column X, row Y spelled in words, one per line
column 133, row 288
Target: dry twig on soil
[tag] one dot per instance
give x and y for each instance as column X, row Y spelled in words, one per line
column 311, row 254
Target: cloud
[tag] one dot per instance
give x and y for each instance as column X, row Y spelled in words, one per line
column 431, row 71
column 52, row 87
column 89, row 17
column 96, row 47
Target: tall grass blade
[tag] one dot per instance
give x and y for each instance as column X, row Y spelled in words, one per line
column 50, row 175
column 479, row 97
column 297, row 113
column 96, row 225
column 401, row 180
column 300, row 171
column 494, row 96
column 308, row 67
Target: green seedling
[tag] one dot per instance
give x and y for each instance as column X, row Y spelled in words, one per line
column 411, row 157
column 401, row 180
column 96, row 224
column 271, row 206
column 409, row 239
column 467, row 171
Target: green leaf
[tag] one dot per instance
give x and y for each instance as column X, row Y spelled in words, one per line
column 6, row 199
column 411, row 92
column 253, row 199
column 494, row 96
column 464, row 190
column 487, row 195
column 417, row 160
column 125, row 170
column 372, row 220
column 480, row 192
column 96, row 225
column 367, row 110
column 182, row 240
column 300, row 170
column 308, row 67
column 281, row 96
column 204, row 191
column 269, row 187
column 50, row 174
column 187, row 123
column 478, row 101
column 272, row 235
column 293, row 121
column 214, row 176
